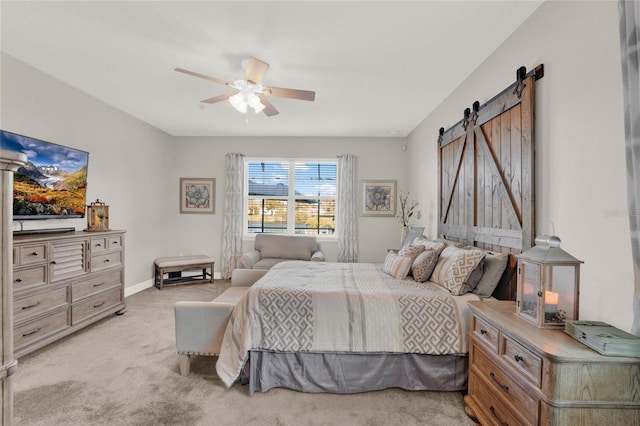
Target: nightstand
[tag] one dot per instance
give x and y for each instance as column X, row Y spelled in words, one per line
column 520, row 374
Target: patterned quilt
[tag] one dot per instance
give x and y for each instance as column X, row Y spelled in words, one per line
column 340, row 307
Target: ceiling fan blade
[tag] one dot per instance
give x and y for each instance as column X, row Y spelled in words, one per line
column 206, row 77
column 219, row 98
column 256, row 69
column 269, row 109
column 303, row 95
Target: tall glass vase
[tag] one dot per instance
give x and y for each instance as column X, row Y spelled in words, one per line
column 403, row 236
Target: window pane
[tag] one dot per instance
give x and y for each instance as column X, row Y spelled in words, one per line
column 269, row 195
column 315, row 216
column 268, row 178
column 315, row 179
column 267, row 215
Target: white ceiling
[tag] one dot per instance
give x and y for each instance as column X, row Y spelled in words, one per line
column 378, row 68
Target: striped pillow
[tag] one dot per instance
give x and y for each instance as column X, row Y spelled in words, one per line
column 397, row 266
column 454, row 267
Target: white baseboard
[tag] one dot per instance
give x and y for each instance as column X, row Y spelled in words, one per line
column 133, row 289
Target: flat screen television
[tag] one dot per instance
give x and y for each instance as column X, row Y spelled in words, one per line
column 53, row 183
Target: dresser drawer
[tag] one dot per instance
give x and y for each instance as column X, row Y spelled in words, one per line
column 29, row 277
column 96, row 284
column 28, row 255
column 486, row 333
column 99, row 244
column 501, row 384
column 492, row 411
column 107, row 260
column 37, row 330
column 524, row 361
column 115, row 243
column 95, row 305
column 40, row 303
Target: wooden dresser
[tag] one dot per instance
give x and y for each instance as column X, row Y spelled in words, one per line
column 63, row 282
column 523, row 375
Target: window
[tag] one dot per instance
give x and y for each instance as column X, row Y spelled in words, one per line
column 291, row 196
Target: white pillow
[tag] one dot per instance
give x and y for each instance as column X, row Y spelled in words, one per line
column 438, row 246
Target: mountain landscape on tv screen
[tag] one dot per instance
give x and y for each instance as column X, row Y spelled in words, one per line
column 49, row 191
column 53, row 183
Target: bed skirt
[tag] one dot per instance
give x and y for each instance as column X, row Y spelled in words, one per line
column 352, row 373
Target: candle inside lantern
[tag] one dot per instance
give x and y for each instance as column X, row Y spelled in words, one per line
column 550, row 302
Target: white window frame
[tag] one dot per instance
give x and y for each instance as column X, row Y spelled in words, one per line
column 291, row 197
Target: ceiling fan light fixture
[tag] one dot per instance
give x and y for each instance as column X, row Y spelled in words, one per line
column 254, row 102
column 246, row 97
column 239, row 102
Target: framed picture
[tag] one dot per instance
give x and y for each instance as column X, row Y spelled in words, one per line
column 197, row 195
column 378, row 198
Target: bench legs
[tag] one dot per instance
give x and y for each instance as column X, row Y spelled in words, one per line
column 205, row 278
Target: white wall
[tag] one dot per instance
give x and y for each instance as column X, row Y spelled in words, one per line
column 580, row 164
column 378, row 158
column 127, row 158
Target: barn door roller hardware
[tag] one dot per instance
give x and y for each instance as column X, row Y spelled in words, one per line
column 521, row 75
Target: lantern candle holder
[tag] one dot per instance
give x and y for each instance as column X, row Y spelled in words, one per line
column 548, row 284
column 97, row 217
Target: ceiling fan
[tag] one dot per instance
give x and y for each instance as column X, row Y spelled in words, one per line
column 250, row 92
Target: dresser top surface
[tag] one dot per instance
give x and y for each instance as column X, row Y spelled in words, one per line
column 551, row 343
column 52, row 236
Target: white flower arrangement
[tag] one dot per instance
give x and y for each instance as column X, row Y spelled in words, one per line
column 406, row 208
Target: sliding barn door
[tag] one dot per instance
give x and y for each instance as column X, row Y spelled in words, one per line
column 487, row 171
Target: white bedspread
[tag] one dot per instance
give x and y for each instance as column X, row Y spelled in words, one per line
column 340, row 307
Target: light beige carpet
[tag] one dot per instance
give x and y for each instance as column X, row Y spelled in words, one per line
column 124, row 371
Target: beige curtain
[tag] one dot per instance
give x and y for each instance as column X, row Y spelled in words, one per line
column 347, row 226
column 232, row 225
column 629, row 12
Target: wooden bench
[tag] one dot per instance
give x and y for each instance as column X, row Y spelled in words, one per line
column 175, row 266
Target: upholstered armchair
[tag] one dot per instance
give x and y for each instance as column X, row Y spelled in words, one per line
column 270, row 249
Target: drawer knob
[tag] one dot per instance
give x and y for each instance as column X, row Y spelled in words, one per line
column 18, row 280
column 518, row 358
column 98, row 245
column 114, row 242
column 483, row 331
column 53, row 262
column 106, row 260
column 35, row 253
column 31, row 332
column 495, row 379
column 493, row 411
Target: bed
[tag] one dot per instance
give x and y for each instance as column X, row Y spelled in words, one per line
column 347, row 328
column 350, row 327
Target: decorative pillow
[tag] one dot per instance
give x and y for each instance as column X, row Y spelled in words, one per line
column 454, row 267
column 397, row 266
column 476, row 275
column 430, row 244
column 494, row 266
column 423, row 265
column 411, row 251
